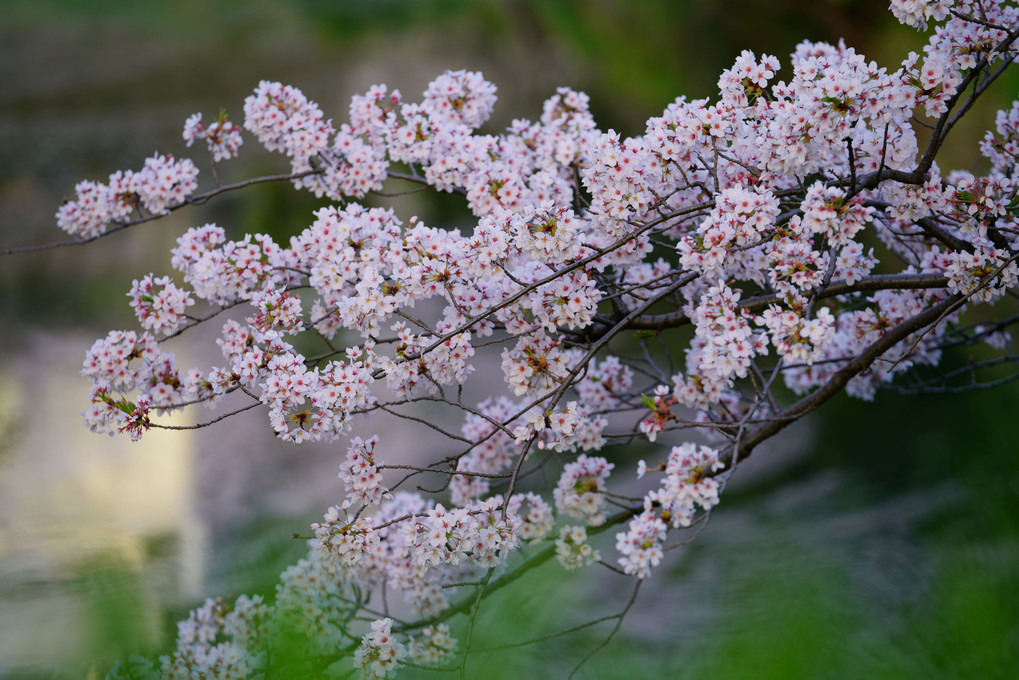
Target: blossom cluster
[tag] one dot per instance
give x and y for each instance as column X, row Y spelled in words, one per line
column 360, row 473
column 581, row 490
column 433, row 646
column 162, row 183
column 159, row 304
column 572, row 549
column 687, row 484
column 379, row 651
column 222, row 137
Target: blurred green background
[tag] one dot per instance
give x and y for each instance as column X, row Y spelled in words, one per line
column 873, row 540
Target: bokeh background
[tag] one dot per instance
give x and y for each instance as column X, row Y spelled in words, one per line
column 876, row 540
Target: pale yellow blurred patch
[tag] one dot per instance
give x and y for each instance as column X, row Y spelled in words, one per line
column 72, row 501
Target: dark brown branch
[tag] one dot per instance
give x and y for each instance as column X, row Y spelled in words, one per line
column 838, row 381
